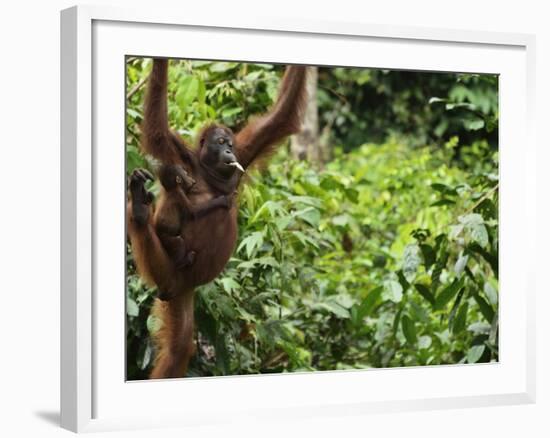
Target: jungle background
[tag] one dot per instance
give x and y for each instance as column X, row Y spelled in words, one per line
column 369, row 240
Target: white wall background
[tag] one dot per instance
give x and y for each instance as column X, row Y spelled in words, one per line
column 29, row 233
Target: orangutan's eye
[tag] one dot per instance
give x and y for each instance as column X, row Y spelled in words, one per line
column 221, row 140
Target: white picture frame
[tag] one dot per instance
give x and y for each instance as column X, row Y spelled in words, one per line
column 94, row 397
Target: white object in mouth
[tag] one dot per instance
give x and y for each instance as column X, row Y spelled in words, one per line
column 237, row 165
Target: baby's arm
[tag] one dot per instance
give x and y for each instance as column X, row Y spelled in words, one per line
column 202, row 209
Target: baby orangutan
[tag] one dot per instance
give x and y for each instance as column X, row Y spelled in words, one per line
column 176, row 209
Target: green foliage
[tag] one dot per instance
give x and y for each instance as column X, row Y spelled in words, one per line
column 139, row 324
column 416, row 107
column 385, row 257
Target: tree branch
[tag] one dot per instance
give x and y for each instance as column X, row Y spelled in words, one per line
column 137, row 87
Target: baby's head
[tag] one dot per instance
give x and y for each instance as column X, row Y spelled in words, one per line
column 173, row 175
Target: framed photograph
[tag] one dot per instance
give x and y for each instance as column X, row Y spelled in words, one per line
column 291, row 218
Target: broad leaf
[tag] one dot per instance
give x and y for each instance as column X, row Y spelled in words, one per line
column 132, row 308
column 409, row 330
column 425, row 292
column 424, row 342
column 475, row 353
column 460, row 319
column 447, row 294
column 411, row 261
column 393, row 290
column 474, row 224
column 252, row 242
column 229, row 284
column 369, row 302
column 460, row 264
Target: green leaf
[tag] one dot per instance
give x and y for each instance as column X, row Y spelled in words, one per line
column 352, row 195
column 479, row 327
column 409, row 330
column 455, row 231
column 222, row 355
column 411, row 261
column 147, row 354
column 230, row 112
column 305, row 239
column 436, row 100
column 453, row 105
column 494, row 331
column 460, row 264
column 474, row 125
column 229, row 284
column 424, row 342
column 345, row 300
column 283, row 222
column 310, row 215
column 397, row 320
column 490, row 258
column 488, row 209
column 222, row 67
column 201, row 92
column 336, row 309
column 154, row 323
column 366, row 307
column 331, row 182
column 262, row 261
column 226, row 306
column 188, row 91
column 425, row 292
column 429, row 255
column 460, row 320
column 479, row 234
column 252, row 242
column 454, row 310
column 441, row 262
column 441, row 202
column 490, row 293
column 393, row 290
column 473, row 223
column 132, row 308
column 447, row 294
column 485, row 308
column 135, row 114
column 274, row 208
column 307, row 200
column 444, row 189
column 402, row 280
column 341, row 220
column 253, row 76
column 475, row 353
